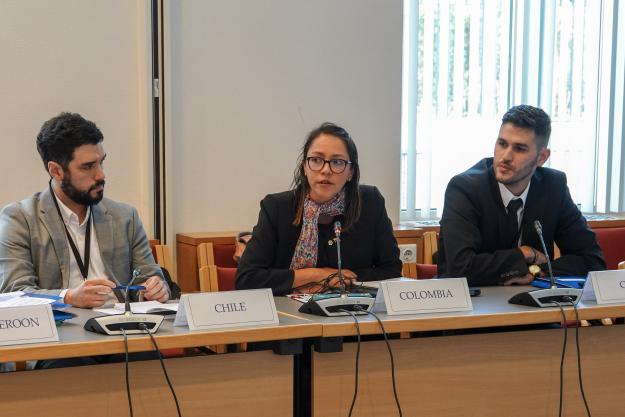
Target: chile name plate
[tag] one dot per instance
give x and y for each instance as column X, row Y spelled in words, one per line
column 218, row 310
column 424, row 296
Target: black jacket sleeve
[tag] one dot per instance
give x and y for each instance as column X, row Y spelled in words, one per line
column 579, row 250
column 461, row 239
column 385, row 263
column 257, row 267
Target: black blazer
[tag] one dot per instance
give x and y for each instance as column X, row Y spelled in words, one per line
column 369, row 248
column 473, row 226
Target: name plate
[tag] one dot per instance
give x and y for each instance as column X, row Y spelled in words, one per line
column 218, row 310
column 28, row 324
column 605, row 286
column 423, row 296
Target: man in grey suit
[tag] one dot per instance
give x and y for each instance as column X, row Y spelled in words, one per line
column 68, row 239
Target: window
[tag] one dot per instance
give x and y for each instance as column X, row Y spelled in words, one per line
column 467, row 61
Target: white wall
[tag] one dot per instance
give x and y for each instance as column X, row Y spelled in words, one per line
column 89, row 57
column 247, row 80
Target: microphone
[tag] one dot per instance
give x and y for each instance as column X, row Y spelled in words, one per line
column 337, row 228
column 128, row 321
column 135, row 274
column 547, row 297
column 338, row 304
column 337, row 233
column 539, row 232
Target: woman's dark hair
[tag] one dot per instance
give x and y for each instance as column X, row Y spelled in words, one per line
column 61, row 135
column 301, row 187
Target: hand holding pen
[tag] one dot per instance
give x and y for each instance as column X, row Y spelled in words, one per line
column 154, row 288
column 90, row 293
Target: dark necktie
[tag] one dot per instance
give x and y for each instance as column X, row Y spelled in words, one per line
column 513, row 220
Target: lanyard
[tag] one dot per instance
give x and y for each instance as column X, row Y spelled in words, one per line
column 84, row 267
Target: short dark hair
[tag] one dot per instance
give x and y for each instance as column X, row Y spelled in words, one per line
column 61, row 135
column 532, row 118
column 352, row 191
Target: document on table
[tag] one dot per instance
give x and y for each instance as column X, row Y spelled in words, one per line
column 18, row 299
column 302, row 298
column 376, row 284
column 143, row 307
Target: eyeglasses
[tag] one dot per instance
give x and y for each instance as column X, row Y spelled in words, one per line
column 337, row 166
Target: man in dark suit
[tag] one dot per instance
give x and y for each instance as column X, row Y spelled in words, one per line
column 487, row 227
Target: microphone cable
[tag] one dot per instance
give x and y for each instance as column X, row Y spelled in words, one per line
column 390, row 353
column 563, row 355
column 579, row 360
column 127, row 375
column 160, row 358
column 351, row 408
column 322, row 284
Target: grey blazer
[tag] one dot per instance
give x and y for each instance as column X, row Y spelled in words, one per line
column 34, row 252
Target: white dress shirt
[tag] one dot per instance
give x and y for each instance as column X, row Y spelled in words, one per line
column 78, row 231
column 507, row 196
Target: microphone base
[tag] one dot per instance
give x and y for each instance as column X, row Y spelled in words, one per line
column 332, row 304
column 113, row 325
column 547, row 297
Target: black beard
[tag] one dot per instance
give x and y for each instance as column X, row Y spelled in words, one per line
column 81, row 197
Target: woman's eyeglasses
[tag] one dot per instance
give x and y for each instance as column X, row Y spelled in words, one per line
column 337, row 166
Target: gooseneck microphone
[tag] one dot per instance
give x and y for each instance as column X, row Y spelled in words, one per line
column 127, row 322
column 547, row 297
column 136, row 273
column 340, row 304
column 337, row 234
column 539, row 232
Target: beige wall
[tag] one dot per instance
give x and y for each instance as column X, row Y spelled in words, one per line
column 247, row 80
column 82, row 56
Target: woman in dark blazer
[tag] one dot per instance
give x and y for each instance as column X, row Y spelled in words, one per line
column 293, row 245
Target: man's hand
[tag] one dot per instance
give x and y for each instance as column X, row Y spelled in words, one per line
column 522, row 280
column 155, row 289
column 533, row 256
column 91, row 293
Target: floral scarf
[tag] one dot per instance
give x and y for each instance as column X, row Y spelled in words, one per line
column 305, row 255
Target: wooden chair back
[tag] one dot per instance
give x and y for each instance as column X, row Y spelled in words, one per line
column 209, row 253
column 205, row 254
column 430, row 246
column 164, row 259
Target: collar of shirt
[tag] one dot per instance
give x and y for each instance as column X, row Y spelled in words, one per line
column 69, row 217
column 506, row 195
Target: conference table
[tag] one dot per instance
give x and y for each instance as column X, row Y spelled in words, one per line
column 239, row 384
column 498, row 359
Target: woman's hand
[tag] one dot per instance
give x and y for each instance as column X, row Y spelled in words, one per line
column 312, row 275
